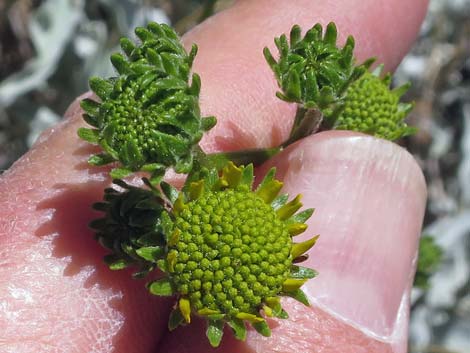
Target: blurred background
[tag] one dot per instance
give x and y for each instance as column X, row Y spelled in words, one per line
column 39, row 80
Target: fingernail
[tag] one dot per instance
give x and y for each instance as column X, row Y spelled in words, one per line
column 369, row 197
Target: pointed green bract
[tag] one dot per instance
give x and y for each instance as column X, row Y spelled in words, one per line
column 238, row 327
column 161, row 287
column 262, row 328
column 215, row 331
column 176, row 319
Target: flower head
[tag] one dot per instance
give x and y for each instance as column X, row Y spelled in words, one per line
column 373, row 108
column 148, row 118
column 226, row 250
column 230, row 253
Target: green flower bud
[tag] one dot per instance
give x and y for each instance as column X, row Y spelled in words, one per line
column 132, row 227
column 148, row 118
column 312, row 71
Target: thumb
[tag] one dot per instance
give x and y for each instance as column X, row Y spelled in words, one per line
column 369, row 196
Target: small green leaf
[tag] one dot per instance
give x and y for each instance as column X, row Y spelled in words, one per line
column 298, row 295
column 192, row 54
column 301, row 217
column 161, row 287
column 262, row 328
column 302, row 272
column 115, row 263
column 208, row 122
column 267, row 178
column 102, row 88
column 269, row 58
column 279, row 201
column 175, row 320
column 143, row 34
column 195, row 87
column 119, row 173
column 169, row 191
column 90, row 107
column 89, row 135
column 127, row 46
column 331, row 34
column 215, row 331
column 292, row 88
column 120, row 64
column 150, row 253
column 238, row 328
column 295, row 35
column 100, row 159
column 281, row 314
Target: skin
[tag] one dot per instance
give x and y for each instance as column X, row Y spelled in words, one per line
column 57, row 296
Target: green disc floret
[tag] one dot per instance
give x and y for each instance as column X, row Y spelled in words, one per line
column 244, row 249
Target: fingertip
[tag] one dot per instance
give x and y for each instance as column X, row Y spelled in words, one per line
column 369, row 195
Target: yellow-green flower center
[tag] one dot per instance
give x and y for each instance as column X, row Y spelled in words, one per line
column 233, row 252
column 371, row 107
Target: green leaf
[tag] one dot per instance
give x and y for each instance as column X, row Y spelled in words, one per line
column 208, row 122
column 295, row 35
column 114, row 263
column 169, row 191
column 127, row 46
column 120, row 64
column 292, row 88
column 331, row 34
column 262, row 328
column 119, row 173
column 161, row 287
column 247, row 177
column 279, row 201
column 298, row 295
column 102, row 88
column 429, row 258
column 89, row 135
column 150, row 253
column 162, row 265
column 195, row 87
column 302, row 272
column 267, row 178
column 238, row 328
column 100, row 159
column 143, row 34
column 301, row 217
column 175, row 320
column 281, row 314
column 90, row 107
column 192, row 54
column 269, row 58
column 215, row 331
